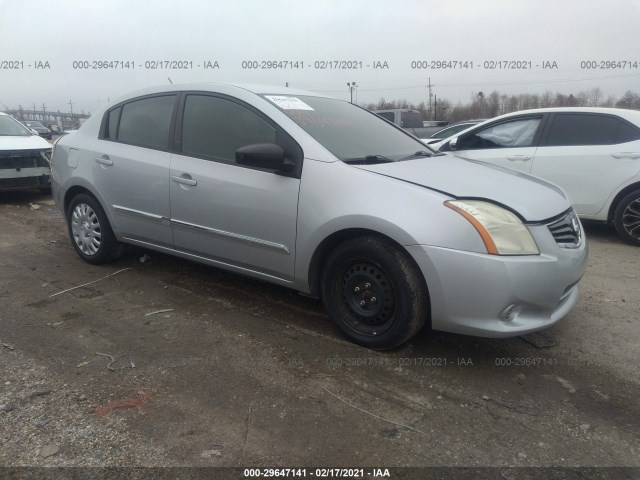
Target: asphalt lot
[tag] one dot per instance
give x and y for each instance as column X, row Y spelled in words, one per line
column 237, row 372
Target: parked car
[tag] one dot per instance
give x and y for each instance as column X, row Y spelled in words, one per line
column 409, row 120
column 24, row 157
column 592, row 153
column 449, row 131
column 43, row 131
column 324, row 197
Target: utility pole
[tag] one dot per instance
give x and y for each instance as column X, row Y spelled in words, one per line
column 70, row 106
column 429, row 85
column 435, row 107
column 44, row 112
column 35, row 115
column 351, row 86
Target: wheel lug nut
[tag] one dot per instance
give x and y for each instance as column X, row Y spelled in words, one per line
column 367, row 285
column 356, row 290
column 374, row 299
column 363, row 303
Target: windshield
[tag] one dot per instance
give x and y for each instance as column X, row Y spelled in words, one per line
column 11, row 127
column 347, row 131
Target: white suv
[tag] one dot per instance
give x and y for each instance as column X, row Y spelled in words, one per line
column 592, row 153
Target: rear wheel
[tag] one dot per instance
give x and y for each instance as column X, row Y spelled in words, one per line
column 627, row 218
column 374, row 292
column 90, row 232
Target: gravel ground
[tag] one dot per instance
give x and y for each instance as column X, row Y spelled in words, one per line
column 240, row 373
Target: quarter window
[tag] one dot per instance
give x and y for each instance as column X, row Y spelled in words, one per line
column 582, row 129
column 215, row 128
column 112, row 126
column 146, row 122
column 627, row 133
column 515, row 133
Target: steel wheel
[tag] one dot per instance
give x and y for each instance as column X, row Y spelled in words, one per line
column 373, row 292
column 369, row 299
column 85, row 228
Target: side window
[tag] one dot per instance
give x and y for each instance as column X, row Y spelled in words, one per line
column 112, row 124
column 387, row 116
column 510, row 134
column 215, row 128
column 411, row 120
column 583, row 129
column 146, row 122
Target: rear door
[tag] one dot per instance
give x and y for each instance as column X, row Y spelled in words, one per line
column 131, row 167
column 510, row 143
column 589, row 155
column 230, row 213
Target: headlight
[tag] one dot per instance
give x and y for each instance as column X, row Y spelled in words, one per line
column 501, row 231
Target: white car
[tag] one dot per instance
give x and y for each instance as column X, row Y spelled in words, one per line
column 592, row 153
column 24, row 157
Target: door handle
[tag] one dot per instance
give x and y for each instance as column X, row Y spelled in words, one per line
column 632, row 155
column 184, row 180
column 519, row 158
column 104, row 161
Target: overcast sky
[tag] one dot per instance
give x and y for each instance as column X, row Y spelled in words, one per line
column 396, row 32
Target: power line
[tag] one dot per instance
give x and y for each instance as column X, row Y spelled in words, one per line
column 475, row 84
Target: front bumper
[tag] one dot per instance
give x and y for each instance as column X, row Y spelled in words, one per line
column 501, row 296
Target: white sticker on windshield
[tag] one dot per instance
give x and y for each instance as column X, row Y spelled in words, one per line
column 288, row 103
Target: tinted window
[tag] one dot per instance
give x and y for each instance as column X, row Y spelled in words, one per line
column 146, row 122
column 387, row 116
column 510, row 134
column 627, row 133
column 347, row 131
column 112, row 125
column 411, row 120
column 582, row 129
column 215, row 128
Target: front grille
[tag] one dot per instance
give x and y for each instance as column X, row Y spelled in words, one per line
column 567, row 231
column 21, row 182
column 19, row 160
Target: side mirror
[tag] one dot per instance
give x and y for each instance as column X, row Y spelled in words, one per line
column 453, row 143
column 262, row 155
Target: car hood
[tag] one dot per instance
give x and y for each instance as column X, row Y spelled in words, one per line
column 31, row 142
column 531, row 197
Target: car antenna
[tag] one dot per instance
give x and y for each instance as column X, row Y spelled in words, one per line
column 170, row 81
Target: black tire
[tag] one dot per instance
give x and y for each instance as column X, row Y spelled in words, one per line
column 90, row 231
column 375, row 271
column 627, row 218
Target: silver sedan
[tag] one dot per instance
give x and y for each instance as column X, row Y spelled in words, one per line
column 324, row 197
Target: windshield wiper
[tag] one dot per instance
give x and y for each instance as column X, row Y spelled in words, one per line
column 368, row 160
column 419, row 153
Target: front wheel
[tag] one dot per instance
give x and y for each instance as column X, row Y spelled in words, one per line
column 627, row 218
column 90, row 232
column 374, row 293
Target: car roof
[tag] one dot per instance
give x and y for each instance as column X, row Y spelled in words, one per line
column 257, row 89
column 622, row 112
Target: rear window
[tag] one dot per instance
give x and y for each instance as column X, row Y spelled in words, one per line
column 146, row 122
column 583, row 129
